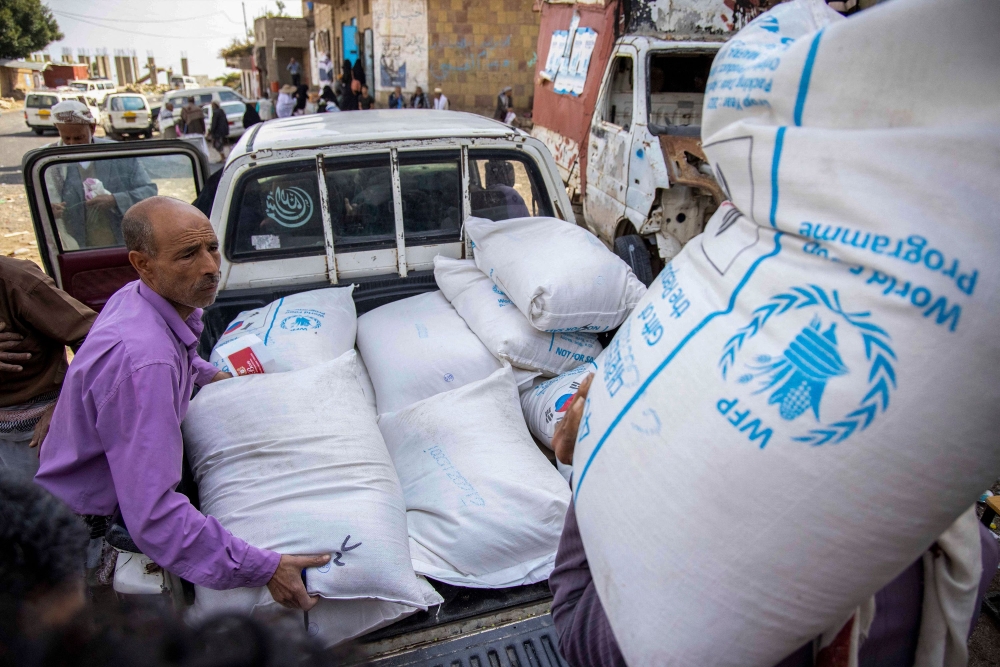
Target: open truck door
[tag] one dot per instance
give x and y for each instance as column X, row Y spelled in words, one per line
column 78, row 195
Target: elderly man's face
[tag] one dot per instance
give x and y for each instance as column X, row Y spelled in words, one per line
column 75, row 133
column 184, row 268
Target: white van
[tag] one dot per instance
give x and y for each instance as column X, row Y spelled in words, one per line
column 96, row 89
column 38, row 105
column 126, row 114
column 203, row 96
column 183, row 82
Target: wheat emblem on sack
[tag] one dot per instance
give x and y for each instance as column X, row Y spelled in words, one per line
column 797, row 378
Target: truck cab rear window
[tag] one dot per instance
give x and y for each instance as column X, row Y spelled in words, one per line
column 276, row 210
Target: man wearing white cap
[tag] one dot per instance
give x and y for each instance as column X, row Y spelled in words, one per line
column 440, row 101
column 90, row 197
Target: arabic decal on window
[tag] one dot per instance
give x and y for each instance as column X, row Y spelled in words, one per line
column 289, row 207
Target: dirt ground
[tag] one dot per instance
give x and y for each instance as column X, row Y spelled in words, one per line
column 17, row 236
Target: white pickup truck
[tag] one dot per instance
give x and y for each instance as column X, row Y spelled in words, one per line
column 367, row 198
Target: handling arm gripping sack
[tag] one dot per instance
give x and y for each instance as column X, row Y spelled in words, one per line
column 559, row 275
column 838, row 365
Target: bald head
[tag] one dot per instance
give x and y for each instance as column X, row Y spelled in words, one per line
column 175, row 251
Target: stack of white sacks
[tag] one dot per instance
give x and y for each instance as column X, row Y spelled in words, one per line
column 427, row 462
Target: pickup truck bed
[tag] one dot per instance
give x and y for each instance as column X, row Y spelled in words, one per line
column 477, row 627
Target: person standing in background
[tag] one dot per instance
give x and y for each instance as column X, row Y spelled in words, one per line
column 440, row 101
column 37, row 322
column 505, row 103
column 396, row 99
column 419, row 100
column 167, row 129
column 346, row 76
column 295, row 69
column 359, row 70
column 265, row 108
column 366, row 100
column 286, row 102
column 219, row 130
column 193, row 117
column 250, row 117
column 349, row 100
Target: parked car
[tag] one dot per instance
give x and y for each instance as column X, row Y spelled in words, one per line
column 127, row 115
column 203, row 96
column 183, row 82
column 396, row 187
column 38, row 105
column 97, row 89
column 234, row 114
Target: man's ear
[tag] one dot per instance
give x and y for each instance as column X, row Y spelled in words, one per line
column 140, row 262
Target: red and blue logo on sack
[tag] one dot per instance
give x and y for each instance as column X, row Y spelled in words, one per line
column 233, row 327
column 564, row 401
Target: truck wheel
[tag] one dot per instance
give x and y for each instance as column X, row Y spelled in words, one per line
column 37, row 130
column 632, row 249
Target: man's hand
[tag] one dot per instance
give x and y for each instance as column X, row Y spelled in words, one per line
column 9, row 340
column 286, row 585
column 564, row 440
column 103, row 202
column 221, row 375
column 58, row 208
column 42, row 427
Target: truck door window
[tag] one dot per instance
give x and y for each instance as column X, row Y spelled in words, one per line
column 618, row 105
column 87, row 199
column 504, row 186
column 431, row 186
column 677, row 89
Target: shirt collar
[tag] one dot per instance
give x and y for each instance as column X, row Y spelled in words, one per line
column 187, row 331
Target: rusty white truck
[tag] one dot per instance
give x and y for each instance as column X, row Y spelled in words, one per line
column 625, row 126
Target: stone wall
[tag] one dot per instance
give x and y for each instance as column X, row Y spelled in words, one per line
column 476, row 47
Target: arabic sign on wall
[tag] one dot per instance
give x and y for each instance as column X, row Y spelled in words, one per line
column 569, row 59
column 400, row 36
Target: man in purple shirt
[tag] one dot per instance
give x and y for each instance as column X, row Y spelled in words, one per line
column 115, row 437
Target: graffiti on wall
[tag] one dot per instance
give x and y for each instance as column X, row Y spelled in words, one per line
column 400, row 41
column 463, row 55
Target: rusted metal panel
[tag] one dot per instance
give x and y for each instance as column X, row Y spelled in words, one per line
column 566, row 115
column 565, row 151
column 684, row 156
column 693, row 19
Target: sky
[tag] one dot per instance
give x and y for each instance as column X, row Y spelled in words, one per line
column 198, row 27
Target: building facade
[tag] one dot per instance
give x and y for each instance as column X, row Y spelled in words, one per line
column 471, row 49
column 276, row 41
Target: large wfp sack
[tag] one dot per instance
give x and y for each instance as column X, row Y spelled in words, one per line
column 837, row 367
column 502, row 328
column 417, row 347
column 300, row 330
column 294, row 462
column 558, row 274
column 485, row 508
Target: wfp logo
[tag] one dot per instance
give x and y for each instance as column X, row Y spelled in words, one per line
column 796, row 379
column 300, row 323
column 802, row 371
column 289, row 207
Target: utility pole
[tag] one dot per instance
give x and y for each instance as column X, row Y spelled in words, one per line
column 246, row 29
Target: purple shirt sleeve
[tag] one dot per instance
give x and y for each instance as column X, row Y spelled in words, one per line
column 203, row 371
column 139, row 426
